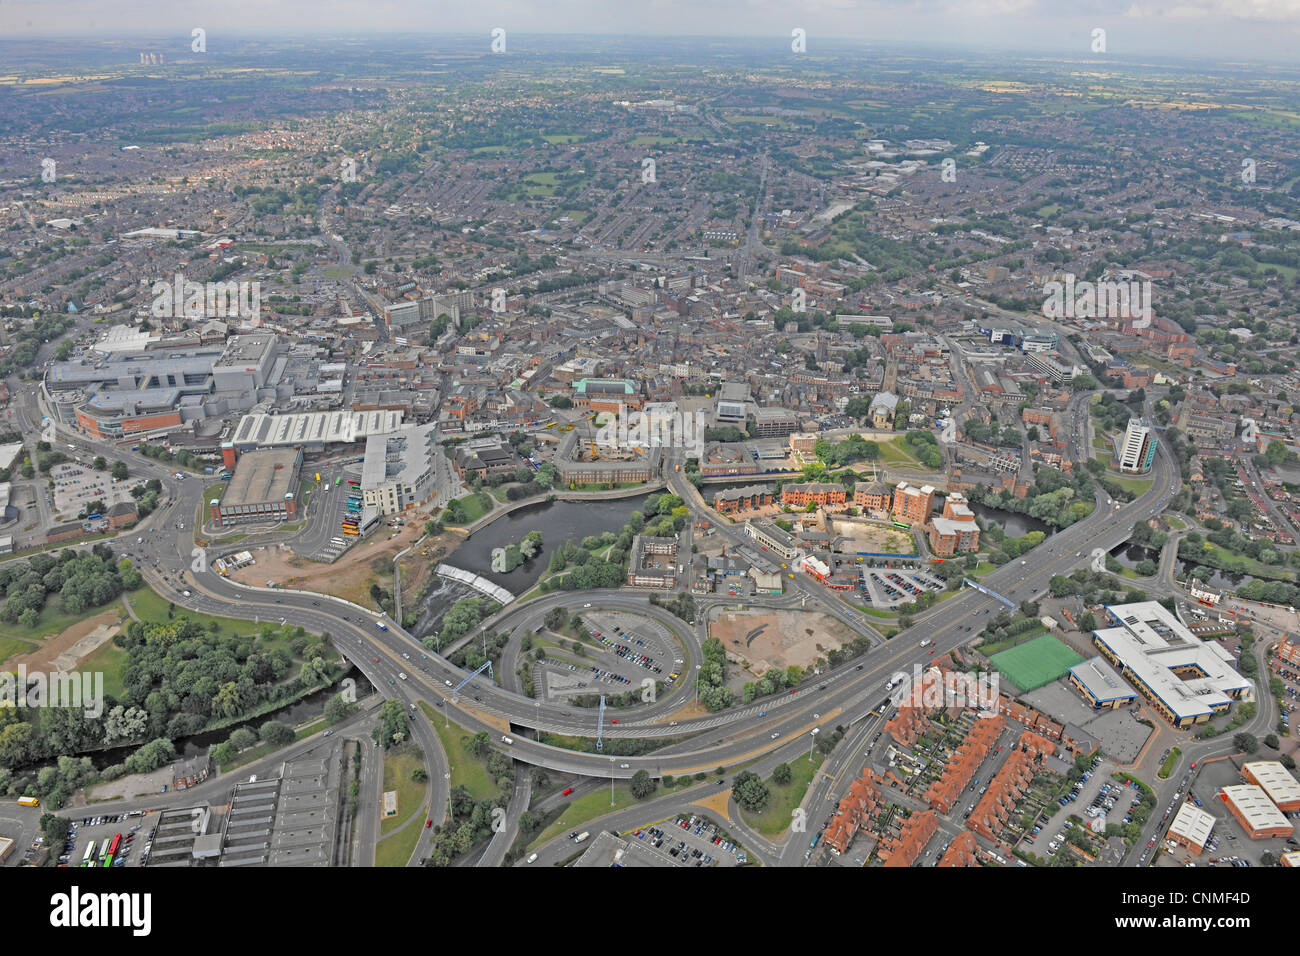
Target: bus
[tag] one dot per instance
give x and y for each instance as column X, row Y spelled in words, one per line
column 28, row 802
column 111, row 852
column 899, row 524
column 89, row 858
column 354, row 482
column 338, row 481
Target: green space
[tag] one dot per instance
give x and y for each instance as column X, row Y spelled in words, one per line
column 337, row 273
column 253, row 754
column 649, row 140
column 585, row 808
column 150, row 606
column 16, row 639
column 1170, row 763
column 109, row 659
column 1138, row 486
column 474, row 507
column 1035, row 663
column 466, row 770
column 1176, row 523
column 776, row 816
column 9, row 646
column 895, row 451
column 563, row 139
column 399, row 766
column 996, row 647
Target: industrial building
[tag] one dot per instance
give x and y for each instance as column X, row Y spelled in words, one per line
column 1276, row 781
column 1255, row 812
column 1191, row 827
column 313, row 432
column 263, row 488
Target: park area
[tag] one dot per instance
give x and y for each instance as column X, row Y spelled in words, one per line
column 1035, row 663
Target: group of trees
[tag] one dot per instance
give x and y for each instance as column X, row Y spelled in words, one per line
column 710, row 682
column 82, row 580
column 1055, row 499
column 184, row 675
column 853, row 448
column 461, row 618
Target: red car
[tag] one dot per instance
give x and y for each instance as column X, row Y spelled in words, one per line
column 376, row 660
column 567, row 792
column 613, row 721
column 427, row 824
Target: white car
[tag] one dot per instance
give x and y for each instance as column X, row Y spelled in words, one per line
column 775, row 734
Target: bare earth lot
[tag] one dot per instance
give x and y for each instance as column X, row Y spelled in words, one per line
column 763, row 639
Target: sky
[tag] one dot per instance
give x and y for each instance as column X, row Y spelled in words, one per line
column 1232, row 30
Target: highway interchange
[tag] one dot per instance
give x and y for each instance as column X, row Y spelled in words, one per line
column 759, row 734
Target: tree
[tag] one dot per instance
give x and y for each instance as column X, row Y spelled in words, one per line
column 55, row 829
column 223, row 753
column 1245, row 742
column 556, row 618
column 276, row 733
column 118, row 470
column 642, row 785
column 1271, row 741
column 782, row 774
column 100, row 463
column 339, row 708
column 243, row 738
column 750, row 791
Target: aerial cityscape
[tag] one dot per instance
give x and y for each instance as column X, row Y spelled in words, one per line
column 500, row 450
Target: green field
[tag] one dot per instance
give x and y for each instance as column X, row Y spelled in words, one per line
column 776, row 816
column 1035, row 663
column 466, row 770
column 398, row 768
column 895, row 451
column 585, row 808
column 476, row 506
column 109, row 659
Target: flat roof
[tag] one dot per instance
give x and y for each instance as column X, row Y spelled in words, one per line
column 1274, row 779
column 1253, row 804
column 402, row 456
column 1101, row 680
column 1192, row 823
column 1153, row 644
column 314, row 427
column 262, row 476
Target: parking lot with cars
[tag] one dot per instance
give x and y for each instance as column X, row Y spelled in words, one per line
column 888, row 587
column 76, row 486
column 131, row 830
column 620, row 652
column 691, row 841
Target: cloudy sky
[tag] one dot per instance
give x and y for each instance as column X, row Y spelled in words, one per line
column 1218, row 29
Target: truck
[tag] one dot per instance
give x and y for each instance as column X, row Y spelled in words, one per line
column 581, row 836
column 28, row 802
